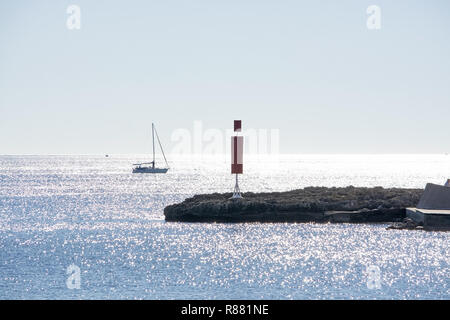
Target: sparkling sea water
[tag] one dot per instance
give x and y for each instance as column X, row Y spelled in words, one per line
column 92, row 212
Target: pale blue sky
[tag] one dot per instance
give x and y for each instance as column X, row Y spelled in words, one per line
column 310, row 68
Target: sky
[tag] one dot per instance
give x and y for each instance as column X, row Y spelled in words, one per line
column 310, row 69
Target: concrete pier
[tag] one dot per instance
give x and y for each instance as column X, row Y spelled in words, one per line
column 433, row 210
column 430, row 219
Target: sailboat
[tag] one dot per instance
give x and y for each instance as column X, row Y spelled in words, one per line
column 150, row 167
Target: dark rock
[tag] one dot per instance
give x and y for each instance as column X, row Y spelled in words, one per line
column 319, row 204
column 407, row 223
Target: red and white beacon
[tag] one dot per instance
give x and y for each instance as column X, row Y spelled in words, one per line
column 237, row 151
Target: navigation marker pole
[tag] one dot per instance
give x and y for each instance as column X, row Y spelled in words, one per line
column 237, row 191
column 237, row 150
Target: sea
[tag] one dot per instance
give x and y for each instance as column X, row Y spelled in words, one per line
column 86, row 227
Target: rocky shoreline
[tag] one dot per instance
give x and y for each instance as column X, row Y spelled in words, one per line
column 311, row 204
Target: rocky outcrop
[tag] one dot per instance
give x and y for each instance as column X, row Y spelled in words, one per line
column 318, row 204
column 407, row 223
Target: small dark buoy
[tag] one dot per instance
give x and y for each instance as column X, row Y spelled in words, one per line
column 106, row 155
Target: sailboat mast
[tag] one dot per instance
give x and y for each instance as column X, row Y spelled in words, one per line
column 160, row 145
column 153, row 140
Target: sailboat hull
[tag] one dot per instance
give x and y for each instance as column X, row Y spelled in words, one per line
column 149, row 170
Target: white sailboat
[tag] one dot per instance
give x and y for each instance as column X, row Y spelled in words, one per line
column 150, row 167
